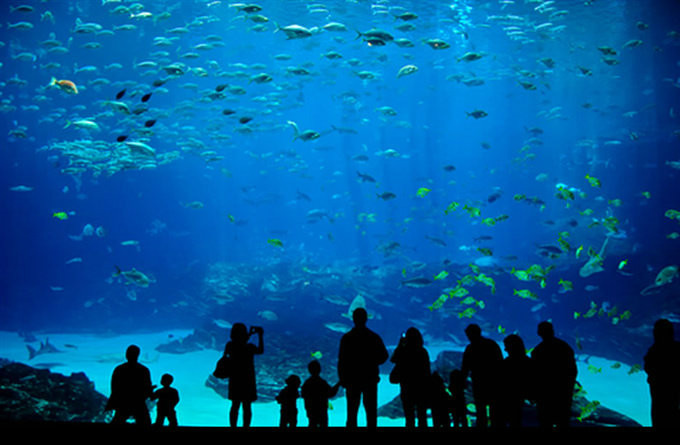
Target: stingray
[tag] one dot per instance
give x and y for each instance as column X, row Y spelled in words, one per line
column 594, row 264
column 665, row 276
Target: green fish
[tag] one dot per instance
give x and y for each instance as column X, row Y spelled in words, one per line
column 458, row 292
column 525, row 293
column 467, row 313
column 441, row 275
column 275, row 242
column 451, row 207
column 422, row 192
column 566, row 285
column 488, row 281
column 672, row 214
column 634, row 369
column 593, row 181
column 485, row 251
column 439, row 302
column 588, row 410
column 473, row 211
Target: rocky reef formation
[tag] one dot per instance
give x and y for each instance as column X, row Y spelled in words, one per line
column 29, row 394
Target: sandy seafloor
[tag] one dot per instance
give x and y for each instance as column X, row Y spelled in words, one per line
column 199, row 405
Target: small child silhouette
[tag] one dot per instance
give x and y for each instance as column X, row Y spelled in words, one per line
column 440, row 402
column 458, row 405
column 316, row 392
column 168, row 398
column 287, row 398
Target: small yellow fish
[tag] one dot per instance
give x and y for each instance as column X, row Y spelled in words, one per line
column 622, row 264
column 317, row 355
column 60, row 215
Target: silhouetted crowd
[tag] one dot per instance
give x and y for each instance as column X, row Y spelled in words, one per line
column 500, row 386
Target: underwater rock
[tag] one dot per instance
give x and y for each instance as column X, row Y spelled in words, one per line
column 209, row 336
column 598, row 415
column 30, row 394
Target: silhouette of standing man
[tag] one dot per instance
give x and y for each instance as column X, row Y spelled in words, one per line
column 555, row 371
column 662, row 365
column 130, row 387
column 482, row 360
column 362, row 351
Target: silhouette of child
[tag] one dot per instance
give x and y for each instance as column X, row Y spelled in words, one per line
column 287, row 398
column 440, row 402
column 316, row 392
column 168, row 398
column 458, row 405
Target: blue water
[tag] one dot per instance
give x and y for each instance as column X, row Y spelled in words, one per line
column 618, row 123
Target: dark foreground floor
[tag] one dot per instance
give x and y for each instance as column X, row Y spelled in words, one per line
column 106, row 432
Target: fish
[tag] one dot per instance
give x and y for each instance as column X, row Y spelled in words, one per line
column 67, row 86
column 21, row 188
column 417, row 282
column 470, row 57
column 307, row 135
column 365, row 177
column 120, row 94
column 406, row 70
column 386, row 196
column 146, row 97
column 477, row 114
column 45, row 348
column 422, row 192
column 437, row 44
column 133, row 276
column 337, row 327
column 294, row 31
column 441, row 275
column 275, row 242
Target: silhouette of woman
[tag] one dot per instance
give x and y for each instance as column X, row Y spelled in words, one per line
column 242, row 386
column 413, row 368
column 516, row 379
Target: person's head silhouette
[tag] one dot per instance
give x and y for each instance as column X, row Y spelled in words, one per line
column 414, row 338
column 239, row 333
column 545, row 330
column 663, row 330
column 359, row 316
column 132, row 353
column 166, row 380
column 514, row 345
column 473, row 332
column 314, row 367
column 293, row 381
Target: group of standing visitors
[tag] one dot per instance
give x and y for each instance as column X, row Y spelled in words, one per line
column 500, row 385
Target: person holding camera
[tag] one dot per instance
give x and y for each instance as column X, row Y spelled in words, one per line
column 242, row 385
